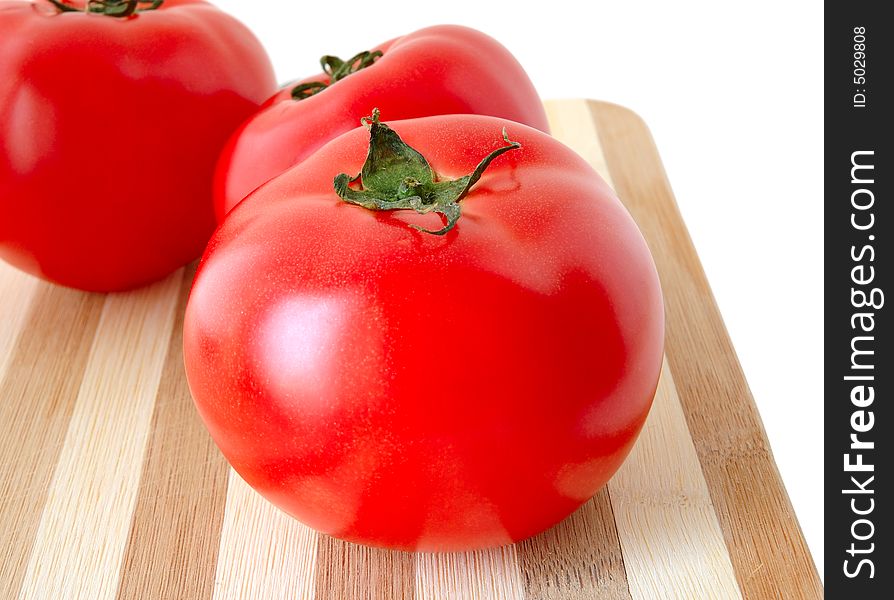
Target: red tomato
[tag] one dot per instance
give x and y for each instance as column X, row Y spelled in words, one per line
column 434, row 71
column 434, row 392
column 110, row 127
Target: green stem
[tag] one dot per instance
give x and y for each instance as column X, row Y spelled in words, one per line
column 395, row 176
column 110, row 8
column 337, row 69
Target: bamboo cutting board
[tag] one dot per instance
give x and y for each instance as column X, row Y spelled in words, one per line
column 111, row 488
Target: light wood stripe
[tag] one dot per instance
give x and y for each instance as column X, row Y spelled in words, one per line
column 672, row 542
column 480, row 575
column 264, row 553
column 351, row 571
column 173, row 544
column 37, row 398
column 762, row 535
column 80, row 543
column 16, row 291
column 578, row 559
column 572, row 124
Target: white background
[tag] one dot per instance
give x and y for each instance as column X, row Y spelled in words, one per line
column 733, row 95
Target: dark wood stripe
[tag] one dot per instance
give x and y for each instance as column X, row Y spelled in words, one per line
column 746, row 488
column 578, row 559
column 37, row 398
column 351, row 572
column 175, row 533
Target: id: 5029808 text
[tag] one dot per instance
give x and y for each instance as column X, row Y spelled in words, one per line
column 859, row 67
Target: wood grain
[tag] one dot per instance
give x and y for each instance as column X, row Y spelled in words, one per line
column 80, row 542
column 175, row 533
column 37, row 397
column 264, row 553
column 110, row 486
column 765, row 543
column 350, row 571
column 16, row 291
column 480, row 575
column 673, row 545
column 578, row 559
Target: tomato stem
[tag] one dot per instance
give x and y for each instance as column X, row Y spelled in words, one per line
column 337, row 69
column 395, row 176
column 110, row 8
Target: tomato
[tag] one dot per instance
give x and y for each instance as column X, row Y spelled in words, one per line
column 393, row 387
column 110, row 127
column 439, row 70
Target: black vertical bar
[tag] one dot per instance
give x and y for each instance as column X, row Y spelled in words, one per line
column 859, row 369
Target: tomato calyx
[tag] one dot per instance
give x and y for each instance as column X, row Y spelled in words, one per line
column 337, row 69
column 110, row 8
column 395, row 176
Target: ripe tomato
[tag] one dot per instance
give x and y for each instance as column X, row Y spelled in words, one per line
column 110, row 127
column 439, row 70
column 437, row 392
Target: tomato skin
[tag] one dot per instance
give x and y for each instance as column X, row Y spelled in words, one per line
column 109, row 132
column 446, row 69
column 411, row 391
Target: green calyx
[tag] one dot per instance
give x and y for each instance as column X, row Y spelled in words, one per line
column 110, row 8
column 397, row 177
column 337, row 69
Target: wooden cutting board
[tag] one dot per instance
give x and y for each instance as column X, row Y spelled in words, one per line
column 110, row 486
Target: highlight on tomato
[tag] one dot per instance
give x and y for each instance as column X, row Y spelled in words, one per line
column 445, row 69
column 112, row 116
column 443, row 333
